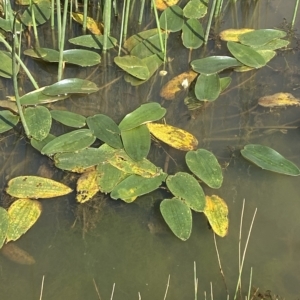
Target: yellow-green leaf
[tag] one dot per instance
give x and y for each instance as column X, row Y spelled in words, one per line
column 216, row 211
column 176, row 84
column 87, row 186
column 93, row 26
column 22, row 214
column 173, row 136
column 233, row 34
column 3, row 225
column 36, row 187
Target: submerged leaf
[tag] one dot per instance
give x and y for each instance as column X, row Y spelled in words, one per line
column 173, row 136
column 22, row 214
column 278, row 99
column 269, row 159
column 14, row 253
column 216, row 211
column 36, row 187
column 178, row 216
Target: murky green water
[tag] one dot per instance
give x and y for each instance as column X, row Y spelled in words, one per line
column 128, row 244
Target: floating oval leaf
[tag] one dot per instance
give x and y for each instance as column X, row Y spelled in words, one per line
column 173, row 136
column 178, row 216
column 216, row 211
column 6, row 64
column 224, row 83
column 105, row 129
column 108, row 177
column 278, row 99
column 80, row 57
column 93, row 26
column 39, row 121
column 135, row 39
column 81, row 160
column 205, row 166
column 133, row 65
column 246, row 55
column 41, row 10
column 93, row 41
column 195, row 9
column 38, row 97
column 137, row 142
column 260, row 37
column 87, row 186
column 173, row 86
column 22, row 214
column 3, row 225
column 134, row 185
column 36, row 187
column 192, row 34
column 70, row 142
column 14, row 253
column 233, row 34
column 269, row 159
column 214, row 64
column 184, row 186
column 145, row 113
column 7, row 120
column 171, row 19
column 45, row 54
column 71, row 86
column 38, row 145
column 273, row 45
column 208, row 87
column 68, row 118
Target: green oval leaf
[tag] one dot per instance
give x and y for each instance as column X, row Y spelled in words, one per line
column 269, row 159
column 80, row 57
column 81, row 160
column 137, row 142
column 45, row 54
column 134, row 185
column 178, row 216
column 70, row 142
column 195, row 9
column 22, row 214
column 36, row 187
column 260, row 37
column 39, row 121
column 3, row 225
column 205, row 166
column 207, row 87
column 93, row 41
column 171, row 19
column 6, row 64
column 273, row 45
column 38, row 97
column 184, row 186
column 7, row 120
column 133, row 65
column 42, row 11
column 134, row 40
column 108, row 177
column 246, row 55
column 68, row 118
column 192, row 34
column 105, row 129
column 71, row 86
column 38, row 145
column 214, row 64
column 148, row 112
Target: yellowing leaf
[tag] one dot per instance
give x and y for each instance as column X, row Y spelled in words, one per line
column 87, row 186
column 93, row 26
column 178, row 83
column 278, row 99
column 233, row 34
column 22, row 214
column 163, row 4
column 14, row 253
column 216, row 211
column 173, row 136
column 36, row 187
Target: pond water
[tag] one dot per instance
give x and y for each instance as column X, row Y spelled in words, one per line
column 83, row 251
